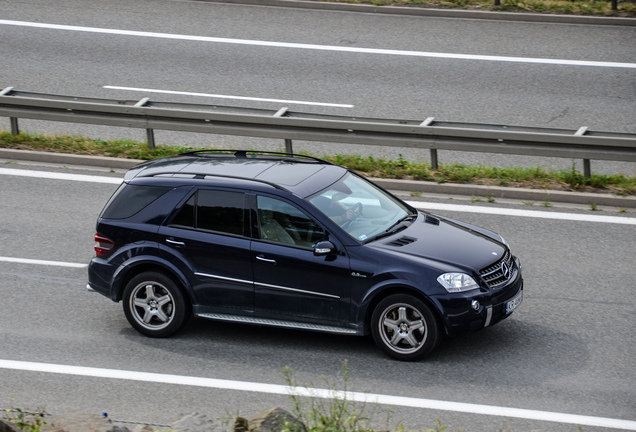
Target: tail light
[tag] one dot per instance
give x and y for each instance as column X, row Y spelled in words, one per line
column 103, row 245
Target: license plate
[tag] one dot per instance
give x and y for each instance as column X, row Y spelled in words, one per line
column 514, row 302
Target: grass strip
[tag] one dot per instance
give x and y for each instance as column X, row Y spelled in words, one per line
column 534, row 178
column 568, row 7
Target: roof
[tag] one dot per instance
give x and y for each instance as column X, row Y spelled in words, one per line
column 299, row 174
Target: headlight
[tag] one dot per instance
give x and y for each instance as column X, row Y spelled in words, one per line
column 457, row 282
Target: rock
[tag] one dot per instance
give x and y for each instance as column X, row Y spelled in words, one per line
column 195, row 422
column 81, row 423
column 7, row 426
column 274, row 420
column 241, row 425
column 143, row 428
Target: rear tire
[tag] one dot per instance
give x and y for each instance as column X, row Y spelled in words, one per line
column 404, row 327
column 155, row 305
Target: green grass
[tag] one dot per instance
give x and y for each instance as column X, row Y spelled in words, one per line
column 26, row 420
column 81, row 145
column 582, row 7
column 335, row 414
column 535, row 178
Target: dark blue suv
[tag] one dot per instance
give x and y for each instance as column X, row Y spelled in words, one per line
column 293, row 241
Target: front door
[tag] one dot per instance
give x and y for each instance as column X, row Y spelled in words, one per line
column 289, row 280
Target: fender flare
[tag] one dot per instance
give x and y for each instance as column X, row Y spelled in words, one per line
column 126, row 271
column 394, row 286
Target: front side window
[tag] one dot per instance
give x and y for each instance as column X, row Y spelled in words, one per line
column 362, row 209
column 282, row 222
column 213, row 210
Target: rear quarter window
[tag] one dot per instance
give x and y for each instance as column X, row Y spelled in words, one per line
column 130, row 199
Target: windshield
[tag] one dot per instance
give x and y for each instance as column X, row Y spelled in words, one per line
column 362, row 209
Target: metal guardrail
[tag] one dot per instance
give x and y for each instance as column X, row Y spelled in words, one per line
column 287, row 125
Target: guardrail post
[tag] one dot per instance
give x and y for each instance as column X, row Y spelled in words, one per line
column 284, row 112
column 288, row 146
column 587, row 170
column 434, row 162
column 150, row 134
column 15, row 130
column 429, row 122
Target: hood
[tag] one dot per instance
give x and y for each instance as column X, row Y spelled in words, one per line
column 446, row 241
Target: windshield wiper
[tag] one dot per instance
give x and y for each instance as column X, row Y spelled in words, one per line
column 401, row 223
column 398, row 225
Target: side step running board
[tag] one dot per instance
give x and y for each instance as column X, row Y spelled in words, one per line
column 278, row 323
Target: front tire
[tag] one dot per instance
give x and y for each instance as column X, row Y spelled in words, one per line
column 155, row 305
column 404, row 327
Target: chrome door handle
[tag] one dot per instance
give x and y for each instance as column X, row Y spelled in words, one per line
column 175, row 243
column 262, row 258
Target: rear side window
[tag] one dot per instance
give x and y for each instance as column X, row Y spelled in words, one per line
column 130, row 199
column 213, row 210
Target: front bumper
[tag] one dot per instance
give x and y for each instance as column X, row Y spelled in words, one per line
column 471, row 311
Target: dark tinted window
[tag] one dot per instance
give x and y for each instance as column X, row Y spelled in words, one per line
column 130, row 199
column 213, row 210
column 185, row 217
column 220, row 211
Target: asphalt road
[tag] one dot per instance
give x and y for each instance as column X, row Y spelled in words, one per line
column 460, row 71
column 568, row 350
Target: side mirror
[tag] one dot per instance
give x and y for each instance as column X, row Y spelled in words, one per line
column 324, row 248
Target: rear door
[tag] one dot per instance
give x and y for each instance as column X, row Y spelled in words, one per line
column 210, row 234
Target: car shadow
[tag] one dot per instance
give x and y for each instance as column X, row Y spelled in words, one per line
column 512, row 353
column 492, row 356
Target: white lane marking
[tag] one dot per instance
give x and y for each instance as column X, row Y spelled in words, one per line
column 417, row 204
column 42, row 262
column 59, row 176
column 357, row 50
column 524, row 213
column 256, row 387
column 220, row 96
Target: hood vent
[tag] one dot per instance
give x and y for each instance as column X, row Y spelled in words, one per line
column 402, row 241
column 431, row 220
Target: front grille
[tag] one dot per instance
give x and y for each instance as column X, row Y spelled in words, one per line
column 500, row 272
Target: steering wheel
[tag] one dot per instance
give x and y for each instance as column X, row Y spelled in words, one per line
column 357, row 212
